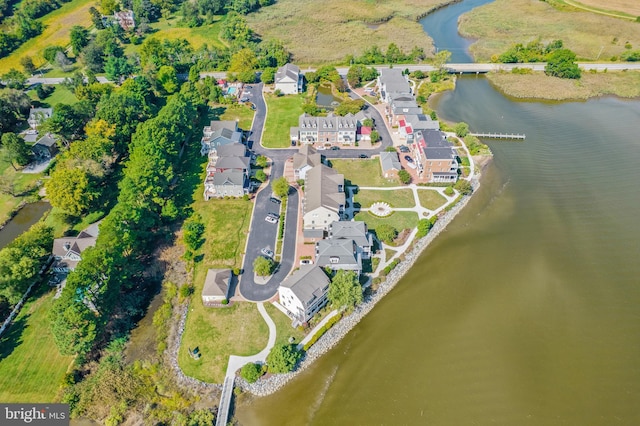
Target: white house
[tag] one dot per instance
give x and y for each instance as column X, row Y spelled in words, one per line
column 304, row 292
column 288, row 79
column 304, row 160
column 324, row 200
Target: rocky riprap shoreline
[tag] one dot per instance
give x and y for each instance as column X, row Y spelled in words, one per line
column 332, row 337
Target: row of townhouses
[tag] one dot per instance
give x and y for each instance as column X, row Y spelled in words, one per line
column 435, row 155
column 329, row 130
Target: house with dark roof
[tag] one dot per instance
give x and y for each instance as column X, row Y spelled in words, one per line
column 288, row 79
column 304, row 160
column 216, row 286
column 304, row 292
column 324, row 200
column 353, row 230
column 45, row 148
column 339, row 254
column 390, row 164
column 436, row 157
column 219, row 133
column 228, row 171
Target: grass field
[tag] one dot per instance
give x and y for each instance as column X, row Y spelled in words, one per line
column 282, row 114
column 399, row 220
column 502, row 23
column 540, row 86
column 31, row 368
column 342, row 28
column 363, row 172
column 218, row 333
column 24, row 186
column 396, row 198
column 628, row 8
column 57, row 27
column 243, row 114
column 283, row 326
column 61, row 95
column 430, row 198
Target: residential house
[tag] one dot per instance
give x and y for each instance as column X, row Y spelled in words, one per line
column 363, row 133
column 436, row 157
column 410, row 124
column 390, row 163
column 68, row 250
column 227, row 171
column 304, row 160
column 393, row 85
column 332, row 129
column 353, row 230
column 403, row 107
column 216, row 286
column 45, row 148
column 288, row 79
column 304, row 292
column 37, row 116
column 339, row 254
column 324, row 200
column 219, row 133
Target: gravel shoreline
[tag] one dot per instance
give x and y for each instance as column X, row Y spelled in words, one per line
column 271, row 384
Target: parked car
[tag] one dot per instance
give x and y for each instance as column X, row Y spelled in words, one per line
column 335, row 148
column 412, row 165
column 274, row 199
column 244, row 99
column 274, row 215
column 408, row 158
column 404, row 148
column 267, row 252
column 306, row 262
column 363, row 156
column 271, row 219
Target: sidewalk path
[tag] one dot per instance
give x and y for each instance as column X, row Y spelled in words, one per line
column 313, row 332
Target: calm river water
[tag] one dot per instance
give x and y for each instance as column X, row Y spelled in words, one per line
column 526, row 311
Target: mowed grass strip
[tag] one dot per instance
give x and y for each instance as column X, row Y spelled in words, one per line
column 282, row 114
column 363, row 172
column 430, row 198
column 31, row 368
column 500, row 24
column 399, row 220
column 240, row 113
column 624, row 8
column 283, row 326
column 57, row 28
column 395, row 198
column 219, row 333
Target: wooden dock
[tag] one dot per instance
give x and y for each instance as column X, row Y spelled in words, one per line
column 515, row 136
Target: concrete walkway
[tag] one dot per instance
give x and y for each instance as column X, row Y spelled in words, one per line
column 313, row 332
column 237, row 362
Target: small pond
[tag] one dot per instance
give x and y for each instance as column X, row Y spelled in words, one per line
column 325, row 98
column 26, row 216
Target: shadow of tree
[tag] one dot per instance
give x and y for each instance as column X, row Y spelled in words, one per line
column 12, row 337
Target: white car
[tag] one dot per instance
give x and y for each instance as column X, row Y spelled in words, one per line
column 306, row 262
column 271, row 219
column 412, row 165
column 267, row 252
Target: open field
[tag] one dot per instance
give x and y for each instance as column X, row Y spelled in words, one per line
column 283, row 326
column 363, row 172
column 57, row 27
column 61, row 95
column 399, row 220
column 540, row 86
column 218, row 333
column 238, row 112
column 282, row 114
column 502, row 23
column 430, row 198
column 397, row 198
column 24, row 186
column 626, row 7
column 31, row 368
column 342, row 28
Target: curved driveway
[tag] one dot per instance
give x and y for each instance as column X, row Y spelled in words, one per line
column 263, row 234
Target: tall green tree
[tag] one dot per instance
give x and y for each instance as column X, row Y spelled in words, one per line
column 283, row 358
column 168, row 79
column 561, row 63
column 14, row 79
column 70, row 190
column 263, row 266
column 15, row 150
column 344, row 290
column 79, row 39
column 280, row 187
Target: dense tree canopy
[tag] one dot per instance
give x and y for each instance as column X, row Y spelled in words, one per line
column 15, row 150
column 561, row 63
column 283, row 358
column 344, row 290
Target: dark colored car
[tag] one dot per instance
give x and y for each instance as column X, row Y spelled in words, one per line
column 275, row 200
column 335, row 148
column 363, row 156
column 409, row 159
column 404, row 148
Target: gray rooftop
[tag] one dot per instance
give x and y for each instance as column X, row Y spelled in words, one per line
column 307, row 283
column 422, row 122
column 351, row 230
column 306, row 156
column 394, row 81
column 435, row 146
column 338, row 254
column 323, row 188
column 232, row 150
column 329, row 123
column 288, row 70
column 390, row 161
column 233, row 163
column 76, row 245
column 229, row 178
column 47, row 140
column 217, row 283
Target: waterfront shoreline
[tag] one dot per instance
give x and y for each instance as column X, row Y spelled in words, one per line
column 270, row 385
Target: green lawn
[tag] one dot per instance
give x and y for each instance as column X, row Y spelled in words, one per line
column 395, row 198
column 430, row 198
column 242, row 113
column 24, row 186
column 61, row 95
column 282, row 114
column 218, row 333
column 363, row 172
column 399, row 220
column 31, row 368
column 283, row 326
column 57, row 26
